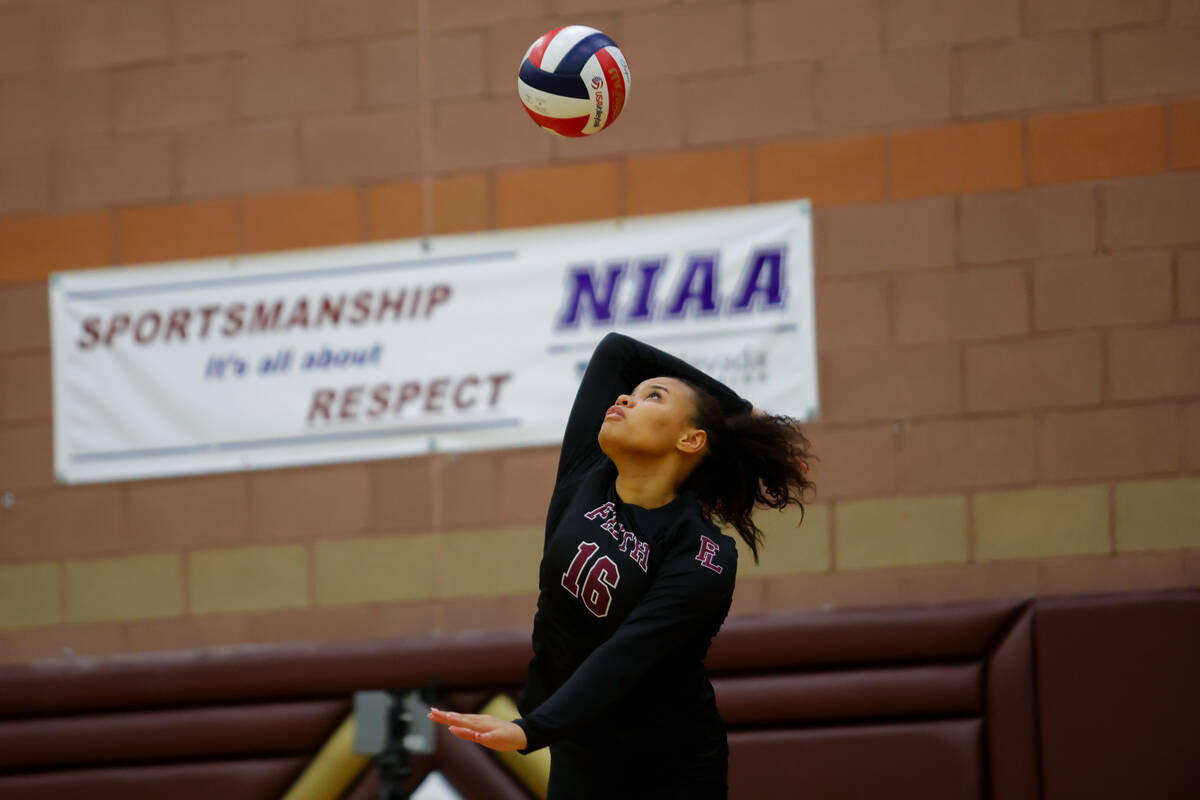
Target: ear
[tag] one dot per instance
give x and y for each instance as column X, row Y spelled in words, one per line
column 692, row 441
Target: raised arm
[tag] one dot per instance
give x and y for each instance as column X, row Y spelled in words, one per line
column 618, row 364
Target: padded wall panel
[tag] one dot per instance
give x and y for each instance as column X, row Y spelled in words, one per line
column 227, row 780
column 831, row 696
column 194, row 677
column 170, row 735
column 915, row 761
column 1012, row 734
column 1119, row 697
column 855, row 636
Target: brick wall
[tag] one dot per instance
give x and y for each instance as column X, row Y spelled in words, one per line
column 1008, row 284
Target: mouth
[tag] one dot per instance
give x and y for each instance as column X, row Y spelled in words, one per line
column 614, row 412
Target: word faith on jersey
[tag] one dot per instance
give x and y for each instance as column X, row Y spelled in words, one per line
column 634, row 547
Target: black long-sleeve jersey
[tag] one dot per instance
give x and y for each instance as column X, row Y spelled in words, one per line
column 630, row 598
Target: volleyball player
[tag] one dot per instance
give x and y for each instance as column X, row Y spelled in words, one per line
column 636, row 578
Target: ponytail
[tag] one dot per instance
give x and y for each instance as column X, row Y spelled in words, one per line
column 752, row 460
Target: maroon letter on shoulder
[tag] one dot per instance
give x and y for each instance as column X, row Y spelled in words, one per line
column 708, row 549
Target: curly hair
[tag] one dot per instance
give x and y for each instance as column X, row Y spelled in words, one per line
column 753, row 460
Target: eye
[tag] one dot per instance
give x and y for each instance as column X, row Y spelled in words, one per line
column 654, row 393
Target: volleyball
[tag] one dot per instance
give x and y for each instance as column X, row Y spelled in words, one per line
column 574, row 81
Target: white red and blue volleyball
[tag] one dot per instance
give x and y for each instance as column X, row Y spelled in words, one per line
column 574, row 81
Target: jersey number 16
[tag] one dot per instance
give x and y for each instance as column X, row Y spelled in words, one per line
column 602, row 578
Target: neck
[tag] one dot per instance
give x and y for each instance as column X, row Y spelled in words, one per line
column 648, row 484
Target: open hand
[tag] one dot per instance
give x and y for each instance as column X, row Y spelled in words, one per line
column 483, row 729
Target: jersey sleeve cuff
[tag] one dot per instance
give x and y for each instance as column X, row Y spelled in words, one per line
column 533, row 741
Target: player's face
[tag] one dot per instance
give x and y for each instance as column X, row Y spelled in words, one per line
column 650, row 420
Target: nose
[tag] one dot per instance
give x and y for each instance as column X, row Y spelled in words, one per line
column 624, row 400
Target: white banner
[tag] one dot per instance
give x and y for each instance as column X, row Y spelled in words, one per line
column 382, row 350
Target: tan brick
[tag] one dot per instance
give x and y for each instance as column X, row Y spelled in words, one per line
column 108, row 32
column 957, row 159
column 248, row 579
column 394, row 210
column 728, row 108
column 829, row 171
column 482, row 614
column 1041, row 523
column 902, row 531
column 1042, row 16
column 867, row 587
column 475, row 13
column 310, row 502
column 1185, row 135
column 316, row 78
column 1085, row 445
column 63, row 521
column 1127, row 572
column 30, row 594
column 1158, row 515
column 402, row 494
column 343, row 19
column 1155, row 362
column 214, row 26
column 788, row 545
column 1150, row 62
column 24, row 39
column 1051, row 371
column 382, row 569
column 490, row 562
column 684, row 40
column 1057, row 220
column 335, row 624
column 1094, row 145
column 946, row 583
column 978, row 304
column 461, row 204
column 551, row 195
column 25, row 387
column 852, row 313
column 38, row 107
column 1188, row 283
column 525, row 482
column 1151, row 211
column 248, row 157
column 687, row 181
column 407, row 618
column 911, row 85
column 309, row 218
column 26, row 455
column 168, row 233
column 186, row 633
column 891, row 382
column 457, row 64
column 34, row 247
column 183, row 514
column 785, row 31
column 24, row 309
column 25, row 179
column 1020, row 75
column 391, row 68
column 127, row 588
column 884, row 237
column 859, row 461
column 1184, row 9
column 512, row 137
column 1096, row 291
column 1191, row 567
column 346, row 148
column 917, row 22
column 130, row 170
column 1002, row 450
column 163, row 96
column 954, row 454
column 476, row 474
